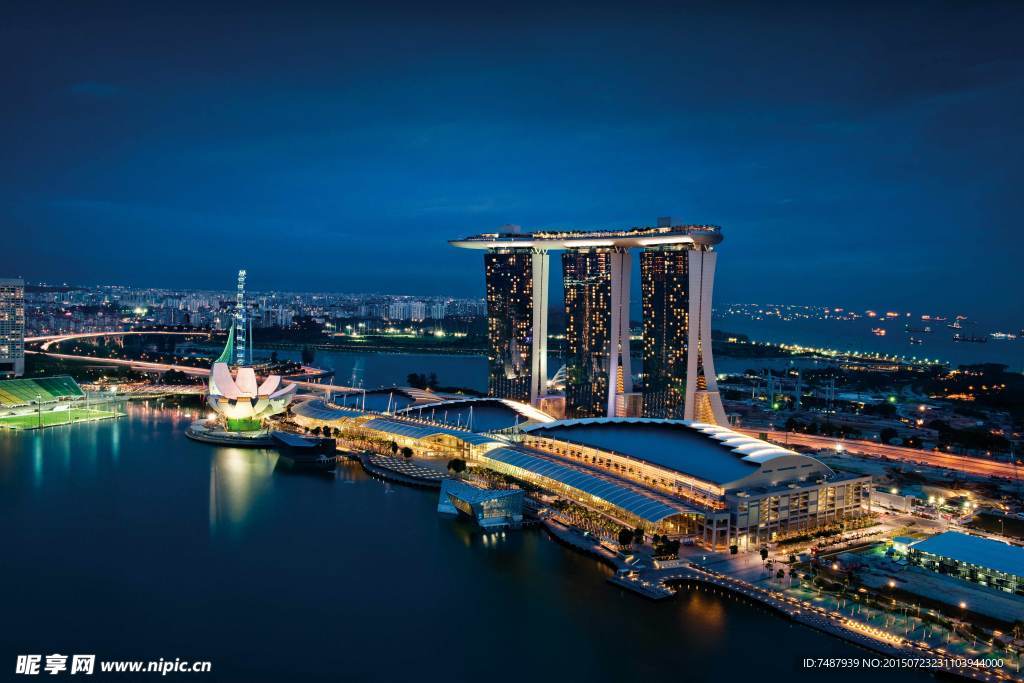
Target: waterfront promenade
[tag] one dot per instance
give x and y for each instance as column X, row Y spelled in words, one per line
column 662, row 580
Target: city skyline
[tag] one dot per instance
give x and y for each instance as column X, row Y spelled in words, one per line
column 417, row 339
column 882, row 149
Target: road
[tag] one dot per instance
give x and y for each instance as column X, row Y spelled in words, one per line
column 976, row 466
column 145, row 366
column 51, row 339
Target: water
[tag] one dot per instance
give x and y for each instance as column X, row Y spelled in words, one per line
column 856, row 335
column 372, row 370
column 127, row 540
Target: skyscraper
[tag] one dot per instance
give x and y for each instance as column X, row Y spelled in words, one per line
column 12, row 327
column 587, row 277
column 677, row 268
column 664, row 285
column 509, row 277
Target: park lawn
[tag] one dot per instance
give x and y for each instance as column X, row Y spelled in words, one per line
column 53, row 418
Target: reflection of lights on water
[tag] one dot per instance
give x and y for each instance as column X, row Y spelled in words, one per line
column 492, row 538
column 237, row 478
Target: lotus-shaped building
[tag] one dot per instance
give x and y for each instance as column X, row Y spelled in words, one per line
column 238, row 399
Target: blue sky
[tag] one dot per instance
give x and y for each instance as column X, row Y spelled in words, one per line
column 862, row 153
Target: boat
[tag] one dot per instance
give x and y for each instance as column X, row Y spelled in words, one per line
column 305, row 452
column 878, row 331
column 916, row 341
column 969, row 338
column 920, row 330
column 1002, row 336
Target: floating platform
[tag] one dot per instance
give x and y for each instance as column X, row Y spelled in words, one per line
column 213, row 434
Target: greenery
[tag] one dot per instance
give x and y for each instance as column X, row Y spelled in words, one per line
column 406, row 452
column 243, row 425
column 457, row 465
column 54, row 418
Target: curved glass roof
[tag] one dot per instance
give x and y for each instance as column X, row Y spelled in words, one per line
column 317, row 409
column 643, row 506
column 422, row 431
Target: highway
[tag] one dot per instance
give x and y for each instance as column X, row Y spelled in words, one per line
column 146, row 366
column 968, row 465
column 51, row 339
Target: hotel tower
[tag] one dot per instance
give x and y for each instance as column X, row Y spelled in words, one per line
column 677, row 271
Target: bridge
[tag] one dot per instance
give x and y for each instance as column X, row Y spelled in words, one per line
column 307, row 372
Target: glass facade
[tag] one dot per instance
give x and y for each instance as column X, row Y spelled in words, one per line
column 587, row 278
column 509, row 279
column 12, row 327
column 664, row 284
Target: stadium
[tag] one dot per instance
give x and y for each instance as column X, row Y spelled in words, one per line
column 45, row 402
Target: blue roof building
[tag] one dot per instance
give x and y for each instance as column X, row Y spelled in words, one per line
column 976, row 559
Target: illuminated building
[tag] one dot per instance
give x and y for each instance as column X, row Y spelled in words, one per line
column 677, row 477
column 12, row 327
column 665, row 290
column 727, row 488
column 596, row 272
column 491, row 508
column 976, row 559
column 587, row 277
column 237, row 398
column 516, row 323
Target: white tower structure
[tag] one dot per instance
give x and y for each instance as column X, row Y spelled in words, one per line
column 240, row 326
column 703, row 402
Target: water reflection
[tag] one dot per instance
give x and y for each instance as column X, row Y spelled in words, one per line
column 238, row 477
column 37, row 459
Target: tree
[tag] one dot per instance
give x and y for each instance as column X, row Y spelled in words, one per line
column 406, row 451
column 638, row 535
column 1018, row 629
column 764, row 553
column 625, row 537
column 887, row 435
column 393, row 447
column 457, row 465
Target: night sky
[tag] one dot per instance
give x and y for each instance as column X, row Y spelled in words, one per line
column 866, row 154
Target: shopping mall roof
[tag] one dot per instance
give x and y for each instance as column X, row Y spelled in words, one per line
column 645, row 506
column 419, row 430
column 318, row 409
column 976, row 550
column 479, row 414
column 708, row 452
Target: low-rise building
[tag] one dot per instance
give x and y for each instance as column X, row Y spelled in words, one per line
column 490, row 508
column 977, row 559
